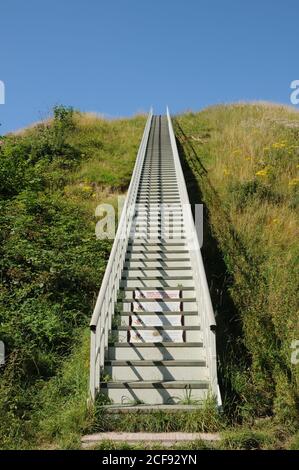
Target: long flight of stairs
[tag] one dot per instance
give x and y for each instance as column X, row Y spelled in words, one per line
column 156, row 354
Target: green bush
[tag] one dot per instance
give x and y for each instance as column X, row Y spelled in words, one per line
column 51, row 266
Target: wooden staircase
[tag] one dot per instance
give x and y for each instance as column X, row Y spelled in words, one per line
column 158, row 352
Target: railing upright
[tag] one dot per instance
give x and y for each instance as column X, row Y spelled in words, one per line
column 205, row 308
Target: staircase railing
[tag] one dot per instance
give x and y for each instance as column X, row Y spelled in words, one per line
column 204, row 303
column 101, row 320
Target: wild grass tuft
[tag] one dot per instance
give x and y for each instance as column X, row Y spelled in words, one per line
column 243, row 161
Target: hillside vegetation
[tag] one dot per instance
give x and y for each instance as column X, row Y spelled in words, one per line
column 52, row 177
column 242, row 161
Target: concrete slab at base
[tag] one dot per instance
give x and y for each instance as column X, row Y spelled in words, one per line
column 169, row 438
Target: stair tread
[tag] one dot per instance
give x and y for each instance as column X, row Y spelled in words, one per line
column 146, row 362
column 159, row 288
column 149, row 408
column 166, row 344
column 165, row 313
column 168, row 299
column 156, row 384
column 158, row 241
column 157, row 327
column 158, row 251
column 157, row 258
column 160, row 268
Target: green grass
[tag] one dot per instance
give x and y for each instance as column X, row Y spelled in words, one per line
column 193, row 445
column 65, row 415
column 52, row 177
column 243, row 162
column 205, row 419
column 111, row 147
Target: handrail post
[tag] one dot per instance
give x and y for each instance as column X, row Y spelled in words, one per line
column 92, row 377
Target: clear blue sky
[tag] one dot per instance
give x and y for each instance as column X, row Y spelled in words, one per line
column 118, row 57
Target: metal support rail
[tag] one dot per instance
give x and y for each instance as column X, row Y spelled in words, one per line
column 101, row 320
column 205, row 308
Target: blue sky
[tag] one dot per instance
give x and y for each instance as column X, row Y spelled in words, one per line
column 118, row 57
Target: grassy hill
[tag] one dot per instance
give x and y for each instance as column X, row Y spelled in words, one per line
column 52, row 177
column 243, row 162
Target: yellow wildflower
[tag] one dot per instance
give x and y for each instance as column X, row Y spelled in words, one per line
column 86, row 188
column 294, row 182
column 263, row 172
column 279, row 145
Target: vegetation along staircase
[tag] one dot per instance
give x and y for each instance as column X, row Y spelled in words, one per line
column 153, row 327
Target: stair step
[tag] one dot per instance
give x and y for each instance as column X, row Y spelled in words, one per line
column 154, row 283
column 156, row 250
column 160, row 292
column 155, row 351
column 158, row 242
column 129, row 274
column 157, row 199
column 162, row 328
column 154, row 273
column 159, row 223
column 168, row 256
column 157, row 211
column 152, row 198
column 166, row 206
column 137, row 335
column 148, row 242
column 156, row 392
column 158, row 319
column 156, row 264
column 159, row 173
column 160, row 305
column 158, row 186
column 141, row 437
column 170, row 384
column 159, row 300
column 146, row 252
column 144, row 268
column 166, row 313
column 128, row 292
column 166, row 221
column 156, row 232
column 152, row 192
column 156, row 370
column 170, row 362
